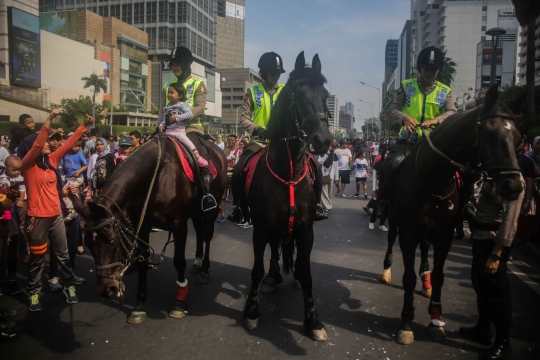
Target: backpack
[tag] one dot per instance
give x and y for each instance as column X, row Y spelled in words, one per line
column 102, row 171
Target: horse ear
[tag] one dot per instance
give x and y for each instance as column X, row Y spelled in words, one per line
column 97, row 210
column 316, row 64
column 300, row 63
column 491, row 99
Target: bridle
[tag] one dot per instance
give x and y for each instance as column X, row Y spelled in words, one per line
column 478, row 170
column 124, row 230
column 295, row 112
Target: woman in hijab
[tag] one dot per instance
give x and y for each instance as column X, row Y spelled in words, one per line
column 45, row 222
column 101, row 150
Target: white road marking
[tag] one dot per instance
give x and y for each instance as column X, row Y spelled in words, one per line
column 525, row 278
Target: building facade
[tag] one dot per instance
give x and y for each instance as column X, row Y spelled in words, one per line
column 346, row 121
column 234, row 84
column 230, row 34
column 522, row 64
column 333, row 106
column 390, row 62
column 455, row 27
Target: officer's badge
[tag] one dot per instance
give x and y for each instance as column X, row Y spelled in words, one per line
column 258, row 96
column 441, row 98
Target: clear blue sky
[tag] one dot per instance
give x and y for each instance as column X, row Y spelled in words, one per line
column 349, row 36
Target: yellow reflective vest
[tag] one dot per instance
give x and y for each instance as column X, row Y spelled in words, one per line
column 263, row 102
column 422, row 107
column 191, row 85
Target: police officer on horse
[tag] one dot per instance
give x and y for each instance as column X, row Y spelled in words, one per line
column 420, row 104
column 181, row 60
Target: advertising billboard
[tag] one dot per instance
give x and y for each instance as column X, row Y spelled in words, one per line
column 63, row 23
column 24, row 48
column 106, row 59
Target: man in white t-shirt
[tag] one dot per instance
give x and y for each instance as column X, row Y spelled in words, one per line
column 219, row 142
column 344, row 165
column 361, row 166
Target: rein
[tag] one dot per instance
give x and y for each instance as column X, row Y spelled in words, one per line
column 122, row 231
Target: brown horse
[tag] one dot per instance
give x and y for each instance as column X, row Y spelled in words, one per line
column 152, row 183
column 282, row 197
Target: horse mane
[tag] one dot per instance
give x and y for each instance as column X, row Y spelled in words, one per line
column 280, row 114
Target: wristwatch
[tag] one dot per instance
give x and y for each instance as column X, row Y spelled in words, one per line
column 495, row 257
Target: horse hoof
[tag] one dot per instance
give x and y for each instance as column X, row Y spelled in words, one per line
column 386, row 276
column 204, row 278
column 136, row 317
column 318, row 335
column 177, row 314
column 405, row 337
column 267, row 289
column 426, row 293
column 251, row 324
column 296, row 284
column 196, row 269
column 436, row 333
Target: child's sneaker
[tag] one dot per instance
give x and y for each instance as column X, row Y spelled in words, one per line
column 371, row 226
column 202, row 162
column 55, row 284
column 72, row 215
column 71, row 295
column 383, row 228
column 34, row 304
column 14, row 288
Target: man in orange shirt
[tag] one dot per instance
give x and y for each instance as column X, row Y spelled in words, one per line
column 44, row 222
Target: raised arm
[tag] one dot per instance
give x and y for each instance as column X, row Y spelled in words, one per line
column 30, row 159
column 64, row 149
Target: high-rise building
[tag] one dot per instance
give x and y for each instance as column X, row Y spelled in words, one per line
column 345, row 121
column 333, row 106
column 390, row 62
column 230, row 34
column 404, row 49
column 523, row 55
column 455, row 27
column 189, row 23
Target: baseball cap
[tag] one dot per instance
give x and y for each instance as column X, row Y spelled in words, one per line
column 56, row 131
column 125, row 142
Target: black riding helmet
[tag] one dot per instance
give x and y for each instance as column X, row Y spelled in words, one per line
column 430, row 58
column 182, row 55
column 270, row 62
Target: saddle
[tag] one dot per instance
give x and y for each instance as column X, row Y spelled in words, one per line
column 188, row 161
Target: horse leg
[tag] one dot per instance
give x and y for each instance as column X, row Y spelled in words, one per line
column 440, row 251
column 180, row 306
column 314, row 327
column 251, row 311
column 138, row 314
column 424, row 272
column 386, row 276
column 199, row 252
column 208, row 231
column 408, row 245
column 274, row 277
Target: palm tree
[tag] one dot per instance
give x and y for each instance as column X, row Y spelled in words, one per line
column 527, row 12
column 96, row 84
column 446, row 76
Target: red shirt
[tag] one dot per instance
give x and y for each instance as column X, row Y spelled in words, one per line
column 42, row 194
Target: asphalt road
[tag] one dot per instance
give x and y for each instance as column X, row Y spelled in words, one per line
column 361, row 315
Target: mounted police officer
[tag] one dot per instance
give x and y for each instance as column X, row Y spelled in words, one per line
column 258, row 103
column 181, row 60
column 419, row 104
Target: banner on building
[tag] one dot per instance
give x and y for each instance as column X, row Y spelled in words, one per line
column 486, row 81
column 63, row 23
column 106, row 59
column 486, row 56
column 24, row 48
column 507, row 19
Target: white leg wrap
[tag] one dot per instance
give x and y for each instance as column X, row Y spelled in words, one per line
column 425, row 273
column 198, row 262
column 182, row 284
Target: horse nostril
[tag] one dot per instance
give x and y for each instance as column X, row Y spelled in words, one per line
column 112, row 292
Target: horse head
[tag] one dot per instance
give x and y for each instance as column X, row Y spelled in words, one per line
column 305, row 99
column 497, row 140
column 106, row 245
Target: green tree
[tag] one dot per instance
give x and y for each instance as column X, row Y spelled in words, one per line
column 97, row 84
column 371, row 128
column 446, row 76
column 385, row 117
column 74, row 110
column 353, row 133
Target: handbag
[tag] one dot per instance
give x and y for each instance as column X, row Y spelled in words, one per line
column 326, row 178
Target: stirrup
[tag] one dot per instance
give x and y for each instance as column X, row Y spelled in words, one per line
column 208, row 195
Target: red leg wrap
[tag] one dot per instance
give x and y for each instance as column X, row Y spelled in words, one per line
column 182, row 293
column 426, row 281
column 436, row 313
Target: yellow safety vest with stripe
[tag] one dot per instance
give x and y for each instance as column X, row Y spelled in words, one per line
column 422, row 107
column 191, row 85
column 263, row 102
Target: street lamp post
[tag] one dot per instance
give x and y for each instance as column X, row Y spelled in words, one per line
column 495, row 33
column 236, row 133
column 371, row 113
column 376, row 88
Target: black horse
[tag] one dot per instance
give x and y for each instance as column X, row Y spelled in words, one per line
column 281, row 197
column 427, row 194
column 150, row 182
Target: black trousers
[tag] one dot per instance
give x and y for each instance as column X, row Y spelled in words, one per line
column 492, row 291
column 72, row 235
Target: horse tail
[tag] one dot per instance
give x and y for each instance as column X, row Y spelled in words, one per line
column 287, row 253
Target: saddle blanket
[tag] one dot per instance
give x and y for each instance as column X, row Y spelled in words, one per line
column 184, row 161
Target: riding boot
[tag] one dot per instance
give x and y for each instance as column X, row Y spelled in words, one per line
column 319, row 211
column 208, row 201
